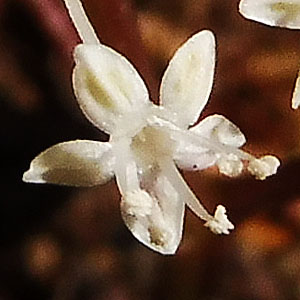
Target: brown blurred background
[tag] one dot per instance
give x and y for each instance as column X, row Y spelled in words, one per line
column 70, row 243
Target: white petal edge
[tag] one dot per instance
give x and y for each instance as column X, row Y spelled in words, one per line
column 74, row 163
column 107, row 86
column 188, row 79
column 173, row 208
column 296, row 94
column 283, row 13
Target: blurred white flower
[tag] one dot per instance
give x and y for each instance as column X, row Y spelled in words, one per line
column 146, row 140
column 284, row 13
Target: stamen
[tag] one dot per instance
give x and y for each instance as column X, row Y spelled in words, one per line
column 179, row 134
column 230, row 165
column 220, row 224
column 125, row 167
column 264, row 166
column 137, row 203
column 261, row 168
column 220, row 148
column 270, row 163
column 183, row 189
column 81, row 22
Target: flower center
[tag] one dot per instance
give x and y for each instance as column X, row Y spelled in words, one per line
column 151, row 145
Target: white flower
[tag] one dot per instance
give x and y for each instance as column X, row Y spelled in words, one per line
column 283, row 13
column 146, row 140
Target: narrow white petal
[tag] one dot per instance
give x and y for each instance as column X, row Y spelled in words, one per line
column 187, row 82
column 282, row 13
column 172, row 207
column 74, row 163
column 150, row 206
column 221, row 129
column 296, row 94
column 155, row 217
column 81, row 22
column 108, row 87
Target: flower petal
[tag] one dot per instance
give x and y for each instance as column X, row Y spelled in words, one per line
column 189, row 156
column 150, row 205
column 187, row 82
column 74, row 163
column 283, row 13
column 192, row 161
column 221, row 129
column 155, row 214
column 107, row 86
column 296, row 93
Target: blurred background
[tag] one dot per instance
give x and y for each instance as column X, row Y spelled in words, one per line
column 70, row 243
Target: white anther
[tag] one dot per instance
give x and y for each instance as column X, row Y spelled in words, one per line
column 230, row 165
column 220, row 223
column 263, row 167
column 137, row 203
